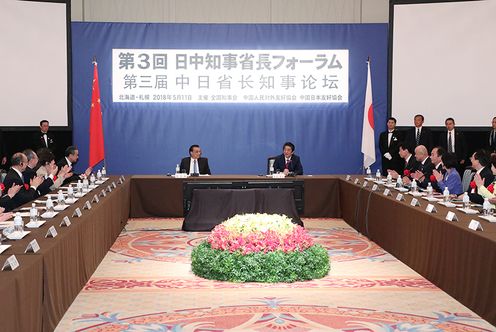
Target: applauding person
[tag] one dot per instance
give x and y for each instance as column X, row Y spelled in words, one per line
column 451, row 178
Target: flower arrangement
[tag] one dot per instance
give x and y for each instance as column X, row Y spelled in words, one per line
column 262, row 248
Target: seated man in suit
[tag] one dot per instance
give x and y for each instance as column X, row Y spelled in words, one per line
column 388, row 144
column 288, row 162
column 195, row 164
column 419, row 135
column 481, row 163
column 6, row 201
column 425, row 166
column 437, row 158
column 410, row 164
column 30, row 172
column 71, row 157
column 14, row 177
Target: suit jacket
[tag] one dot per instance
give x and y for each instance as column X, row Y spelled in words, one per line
column 427, row 169
column 24, row 195
column 203, row 167
column 425, row 138
column 491, row 143
column 63, row 162
column 393, row 148
column 411, row 166
column 460, row 144
column 294, row 165
column 43, row 188
column 488, row 177
column 39, row 142
column 7, row 203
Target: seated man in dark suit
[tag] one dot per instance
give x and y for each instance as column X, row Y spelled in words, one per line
column 481, row 163
column 6, row 201
column 409, row 163
column 437, row 158
column 30, row 172
column 288, row 162
column 14, row 177
column 425, row 166
column 71, row 157
column 195, row 164
column 419, row 135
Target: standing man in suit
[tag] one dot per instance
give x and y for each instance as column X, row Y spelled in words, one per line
column 481, row 163
column 195, row 164
column 453, row 141
column 14, row 177
column 492, row 137
column 3, row 152
column 43, row 139
column 71, row 157
column 388, row 144
column 288, row 162
column 419, row 135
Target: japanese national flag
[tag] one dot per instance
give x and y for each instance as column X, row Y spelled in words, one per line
column 368, row 140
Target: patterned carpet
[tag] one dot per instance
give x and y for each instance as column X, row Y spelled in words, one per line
column 145, row 284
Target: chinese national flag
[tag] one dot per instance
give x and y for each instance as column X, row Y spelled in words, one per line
column 96, row 150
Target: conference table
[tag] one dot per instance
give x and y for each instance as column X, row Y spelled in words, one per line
column 458, row 260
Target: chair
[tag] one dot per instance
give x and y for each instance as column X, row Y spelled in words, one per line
column 467, row 177
column 270, row 162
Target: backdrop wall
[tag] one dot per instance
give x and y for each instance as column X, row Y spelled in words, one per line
column 151, row 138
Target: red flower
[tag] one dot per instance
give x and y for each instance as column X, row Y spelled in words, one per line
column 26, row 186
column 54, row 178
column 2, row 187
column 406, row 172
column 433, row 178
column 473, row 185
column 491, row 188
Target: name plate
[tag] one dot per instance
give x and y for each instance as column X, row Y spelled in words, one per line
column 103, row 193
column 451, row 216
column 400, row 197
column 475, row 225
column 348, row 177
column 77, row 213
column 95, row 199
column 414, row 202
column 109, row 189
column 11, row 263
column 65, row 222
column 122, row 179
column 375, row 187
column 430, row 208
column 87, row 205
column 365, row 183
column 114, row 185
column 52, row 232
column 33, row 247
column 356, row 181
column 387, row 192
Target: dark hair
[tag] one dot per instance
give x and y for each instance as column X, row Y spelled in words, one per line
column 391, row 118
column 16, row 158
column 420, row 116
column 483, row 157
column 449, row 160
column 193, row 146
column 70, row 150
column 291, row 145
column 43, row 121
column 45, row 156
column 29, row 154
column 448, row 119
column 440, row 151
column 405, row 146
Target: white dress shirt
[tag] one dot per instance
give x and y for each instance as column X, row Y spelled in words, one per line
column 192, row 166
column 452, row 139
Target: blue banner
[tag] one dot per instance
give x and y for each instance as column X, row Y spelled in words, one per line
column 151, row 138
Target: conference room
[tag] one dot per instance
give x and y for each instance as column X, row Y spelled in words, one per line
column 247, row 165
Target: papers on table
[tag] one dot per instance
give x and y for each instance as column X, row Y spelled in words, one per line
column 37, row 224
column 432, row 199
column 17, row 235
column 448, row 204
column 488, row 218
column 468, row 211
column 48, row 215
column 60, row 207
column 4, row 247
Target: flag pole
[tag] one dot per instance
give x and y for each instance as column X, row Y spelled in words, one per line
column 363, row 166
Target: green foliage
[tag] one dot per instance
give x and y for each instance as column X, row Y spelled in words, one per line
column 276, row 266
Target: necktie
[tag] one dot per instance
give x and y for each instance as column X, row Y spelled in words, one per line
column 287, row 163
column 418, row 136
column 195, row 167
column 450, row 142
column 45, row 139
